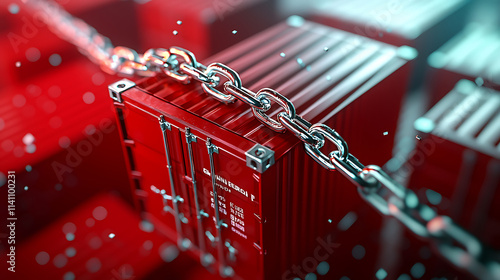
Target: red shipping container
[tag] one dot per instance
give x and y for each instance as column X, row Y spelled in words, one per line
column 57, row 132
column 456, row 166
column 274, row 204
column 423, row 25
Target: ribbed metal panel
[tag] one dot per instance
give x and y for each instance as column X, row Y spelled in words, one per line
column 332, row 77
column 468, row 115
column 408, row 18
column 318, row 82
column 459, row 152
column 473, row 52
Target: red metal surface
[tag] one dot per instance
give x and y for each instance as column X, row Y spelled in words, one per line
column 62, row 140
column 424, row 26
column 286, row 208
column 27, row 40
column 205, row 27
column 460, row 154
column 57, row 131
column 94, row 242
column 296, row 220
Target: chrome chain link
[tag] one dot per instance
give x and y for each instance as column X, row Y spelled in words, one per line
column 374, row 185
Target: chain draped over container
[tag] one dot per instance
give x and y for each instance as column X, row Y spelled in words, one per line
column 374, row 185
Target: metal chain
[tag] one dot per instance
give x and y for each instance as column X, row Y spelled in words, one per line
column 374, row 185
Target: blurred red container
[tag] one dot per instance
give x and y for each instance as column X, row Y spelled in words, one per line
column 471, row 54
column 279, row 207
column 423, row 25
column 93, row 242
column 30, row 48
column 59, row 134
column 201, row 26
column 456, row 165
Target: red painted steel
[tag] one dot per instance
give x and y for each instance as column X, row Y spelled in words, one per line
column 26, row 39
column 93, row 242
column 275, row 219
column 459, row 153
column 60, row 136
column 424, row 26
column 203, row 27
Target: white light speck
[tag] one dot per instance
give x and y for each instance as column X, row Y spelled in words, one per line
column 386, row 133
column 111, row 235
column 64, row 142
column 175, row 32
column 282, row 54
column 30, row 149
column 325, row 49
column 479, row 81
column 13, row 9
column 99, row 213
column 301, row 62
column 179, row 22
column 18, row 64
column 42, row 258
column 88, row 97
column 60, row 261
column 70, row 252
column 381, row 274
column 418, row 138
column 28, row 139
column 33, row 54
column 323, row 268
column 70, row 236
column 25, row 188
column 235, row 31
column 55, row 59
column 69, row 228
column 69, row 276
